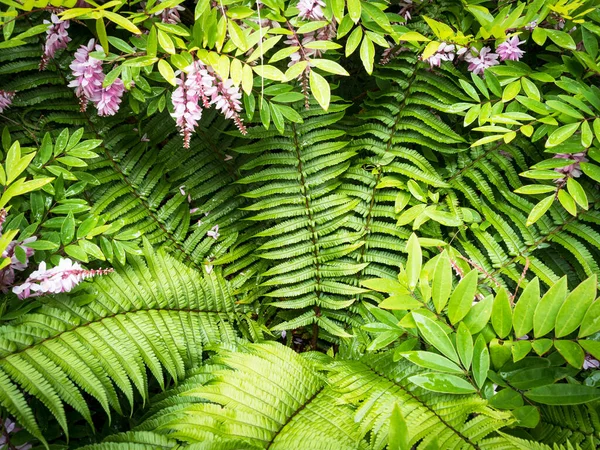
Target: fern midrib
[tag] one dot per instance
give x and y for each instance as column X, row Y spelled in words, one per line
column 425, row 405
column 294, row 414
column 313, row 233
column 112, row 316
column 389, row 143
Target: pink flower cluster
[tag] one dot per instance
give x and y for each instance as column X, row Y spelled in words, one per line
column 311, row 9
column 6, row 98
column 478, row 60
column 510, row 50
column 57, row 38
column 61, row 278
column 88, row 82
column 201, row 84
column 7, row 274
column 572, row 170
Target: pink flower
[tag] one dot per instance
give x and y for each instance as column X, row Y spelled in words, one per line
column 226, row 98
column 311, row 9
column 110, row 98
column 509, row 49
column 405, row 7
column 61, row 278
column 57, row 38
column 187, row 110
column 445, row 52
column 88, row 74
column 214, row 232
column 6, row 98
column 572, row 170
column 590, row 362
column 481, row 60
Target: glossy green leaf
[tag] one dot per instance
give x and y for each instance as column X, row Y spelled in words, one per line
column 539, row 210
column 561, row 134
column 563, row 394
column 548, row 307
column 414, row 261
column 442, row 382
column 481, row 361
column 572, row 312
column 462, row 297
column 442, row 282
column 479, row 315
column 398, row 437
column 435, row 335
column 525, row 308
column 464, row 345
column 320, row 89
column 571, row 351
column 432, row 361
column 502, row 314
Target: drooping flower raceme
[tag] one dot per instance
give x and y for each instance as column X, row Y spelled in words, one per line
column 481, row 60
column 311, row 9
column 110, row 98
column 88, row 81
column 574, row 169
column 57, row 38
column 510, row 50
column 6, row 98
column 88, row 74
column 62, row 278
column 226, row 98
column 190, row 89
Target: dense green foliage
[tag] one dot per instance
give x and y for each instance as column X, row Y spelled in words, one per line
column 429, row 286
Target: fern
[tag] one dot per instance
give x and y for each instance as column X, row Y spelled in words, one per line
column 108, row 335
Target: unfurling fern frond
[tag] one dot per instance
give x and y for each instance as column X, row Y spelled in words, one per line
column 156, row 313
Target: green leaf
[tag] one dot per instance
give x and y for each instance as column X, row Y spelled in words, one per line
column 67, row 230
column 591, row 321
column 121, row 21
column 577, row 192
column 442, row 282
column 563, row 394
column 567, row 202
column 353, row 41
column 464, row 345
column 561, row 39
column 462, row 297
column 525, row 308
column 435, row 335
column 591, row 171
column 470, row 90
column 385, row 285
column 367, row 54
column 539, row 210
column 320, row 89
column 587, row 136
column 414, row 261
column 76, row 252
column 377, row 15
column 571, row 351
column 441, row 382
column 534, row 189
column 561, row 134
column 329, row 66
column 548, row 307
column 167, row 72
column 520, row 349
column 101, row 32
column 401, row 303
column 511, row 91
column 398, row 437
column 530, row 89
column 237, row 35
column 502, row 314
column 481, row 361
column 269, row 72
column 432, row 361
column 479, row 315
column 354, row 9
column 572, row 312
column 507, row 399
